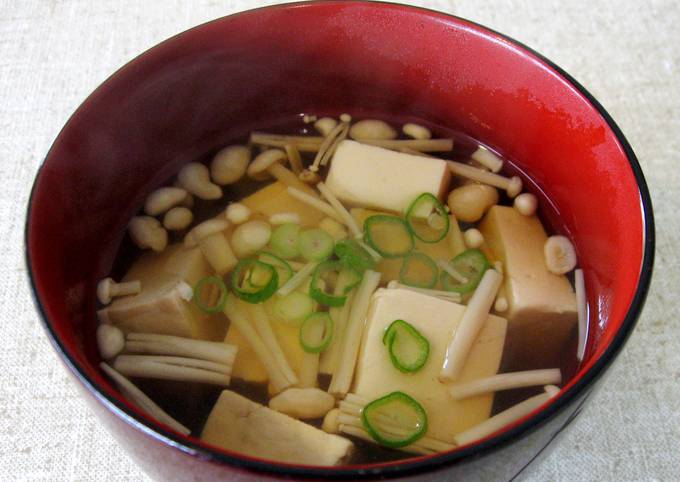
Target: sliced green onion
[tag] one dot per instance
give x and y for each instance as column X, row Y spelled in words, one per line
column 315, row 244
column 352, row 254
column 389, row 235
column 254, row 281
column 471, row 264
column 284, row 241
column 349, row 278
column 395, row 420
column 282, row 267
column 318, row 286
column 419, row 270
column 316, row 332
column 408, row 349
column 427, row 218
column 294, row 307
column 199, row 293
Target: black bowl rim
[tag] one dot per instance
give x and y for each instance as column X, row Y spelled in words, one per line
column 407, row 467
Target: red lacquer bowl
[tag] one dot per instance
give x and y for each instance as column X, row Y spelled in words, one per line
column 191, row 94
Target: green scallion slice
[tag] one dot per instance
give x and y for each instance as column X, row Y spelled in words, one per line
column 283, row 269
column 352, row 254
column 427, row 218
column 315, row 244
column 284, row 241
column 254, row 281
column 294, row 307
column 316, row 332
column 419, row 270
column 394, row 413
column 318, row 285
column 205, row 288
column 389, row 235
column 408, row 349
column 472, row 264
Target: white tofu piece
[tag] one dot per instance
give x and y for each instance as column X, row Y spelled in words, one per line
column 159, row 308
column 238, row 424
column 541, row 305
column 373, row 177
column 437, row 321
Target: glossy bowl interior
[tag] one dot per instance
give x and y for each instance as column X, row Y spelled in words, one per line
column 191, row 94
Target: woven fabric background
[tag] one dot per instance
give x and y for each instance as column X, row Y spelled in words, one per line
column 54, row 53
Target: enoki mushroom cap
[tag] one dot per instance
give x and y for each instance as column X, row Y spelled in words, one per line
column 177, row 218
column 309, row 177
column 195, row 178
column 514, row 187
column 163, row 199
column 230, row 164
column 147, row 232
column 110, row 341
column 526, row 204
column 210, row 227
column 370, row 129
column 264, row 161
column 203, row 230
column 104, row 290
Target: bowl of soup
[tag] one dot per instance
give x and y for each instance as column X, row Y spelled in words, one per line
column 339, row 240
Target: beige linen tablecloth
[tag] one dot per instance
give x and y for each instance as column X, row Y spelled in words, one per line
column 54, row 53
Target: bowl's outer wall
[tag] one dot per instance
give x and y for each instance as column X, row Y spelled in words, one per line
column 191, row 94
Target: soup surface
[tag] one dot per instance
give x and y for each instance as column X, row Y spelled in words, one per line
column 394, row 287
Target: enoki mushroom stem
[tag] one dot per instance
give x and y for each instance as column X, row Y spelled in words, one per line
column 314, row 202
column 135, row 395
column 446, row 266
column 294, row 158
column 289, row 178
column 154, row 344
column 173, row 368
column 342, row 212
column 377, row 257
column 339, row 315
column 236, row 315
column 342, row 378
column 512, row 185
column 505, row 381
column 475, row 315
column 263, row 327
column 328, row 146
column 297, row 279
column 487, row 159
column 302, row 143
column 500, row 420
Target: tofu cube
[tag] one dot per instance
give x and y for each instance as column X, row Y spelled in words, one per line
column 373, row 177
column 238, row 424
column 541, row 305
column 159, row 308
column 446, row 249
column 437, row 321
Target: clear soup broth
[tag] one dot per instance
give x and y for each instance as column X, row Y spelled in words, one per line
column 190, row 401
